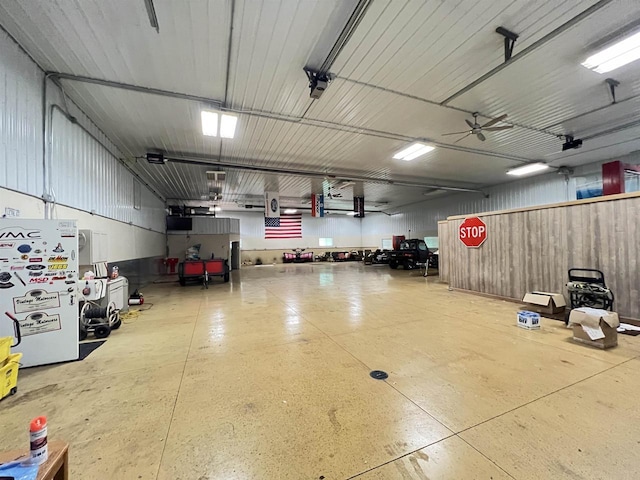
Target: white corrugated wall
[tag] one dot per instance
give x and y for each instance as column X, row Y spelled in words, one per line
column 20, row 120
column 421, row 219
column 344, row 230
column 83, row 173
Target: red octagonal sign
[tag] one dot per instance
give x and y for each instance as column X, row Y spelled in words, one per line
column 473, row 232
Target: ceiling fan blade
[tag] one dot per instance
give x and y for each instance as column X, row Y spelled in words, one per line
column 455, row 133
column 493, row 121
column 481, row 136
column 462, row 138
column 496, row 129
column 469, row 123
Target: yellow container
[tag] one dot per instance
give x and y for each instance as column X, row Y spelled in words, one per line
column 9, row 375
column 5, row 348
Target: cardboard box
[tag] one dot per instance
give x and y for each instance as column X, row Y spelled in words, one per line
column 545, row 302
column 528, row 320
column 594, row 327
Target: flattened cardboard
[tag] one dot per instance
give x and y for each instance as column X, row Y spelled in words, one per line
column 545, row 302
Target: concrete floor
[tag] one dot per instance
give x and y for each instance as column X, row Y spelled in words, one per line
column 267, row 377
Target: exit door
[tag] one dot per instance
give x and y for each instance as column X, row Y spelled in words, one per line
column 235, row 255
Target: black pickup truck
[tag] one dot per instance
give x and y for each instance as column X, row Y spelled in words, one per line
column 412, row 253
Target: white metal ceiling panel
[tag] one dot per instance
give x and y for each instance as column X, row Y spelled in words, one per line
column 139, row 122
column 114, row 40
column 432, row 48
column 272, row 43
column 380, row 110
column 550, row 85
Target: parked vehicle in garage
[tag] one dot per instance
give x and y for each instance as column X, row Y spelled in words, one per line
column 377, row 257
column 352, row 256
column 298, row 256
column 412, row 253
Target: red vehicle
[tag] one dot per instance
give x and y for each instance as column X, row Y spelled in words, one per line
column 201, row 270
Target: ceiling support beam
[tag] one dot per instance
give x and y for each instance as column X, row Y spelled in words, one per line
column 531, row 48
column 191, row 159
column 313, row 122
column 350, row 27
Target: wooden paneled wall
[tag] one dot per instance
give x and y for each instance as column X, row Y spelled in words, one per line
column 532, row 249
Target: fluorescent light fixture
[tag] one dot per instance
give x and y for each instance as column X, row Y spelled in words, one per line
column 209, row 123
column 215, row 209
column 413, row 151
column 351, row 213
column 228, row 125
column 290, row 211
column 615, row 56
column 525, row 169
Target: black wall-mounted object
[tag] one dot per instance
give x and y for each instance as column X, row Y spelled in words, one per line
column 179, row 223
column 156, row 158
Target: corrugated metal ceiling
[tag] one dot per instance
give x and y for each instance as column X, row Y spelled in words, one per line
column 417, row 48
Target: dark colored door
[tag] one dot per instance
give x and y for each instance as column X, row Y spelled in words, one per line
column 235, row 255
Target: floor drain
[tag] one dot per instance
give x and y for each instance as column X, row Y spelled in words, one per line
column 379, row 374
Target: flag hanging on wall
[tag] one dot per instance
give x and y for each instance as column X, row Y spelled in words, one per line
column 286, row 226
column 271, row 204
column 317, row 205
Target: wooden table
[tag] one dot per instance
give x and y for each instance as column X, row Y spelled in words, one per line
column 55, row 468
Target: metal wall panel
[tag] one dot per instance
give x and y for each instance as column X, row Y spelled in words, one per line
column 422, row 218
column 84, row 174
column 20, row 120
column 211, row 226
column 345, row 231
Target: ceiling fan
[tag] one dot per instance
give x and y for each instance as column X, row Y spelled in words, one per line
column 477, row 129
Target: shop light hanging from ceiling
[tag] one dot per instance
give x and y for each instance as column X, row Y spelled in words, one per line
column 615, row 56
column 526, row 169
column 413, row 151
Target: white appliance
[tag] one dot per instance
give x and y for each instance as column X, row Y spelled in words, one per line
column 38, row 287
column 93, row 247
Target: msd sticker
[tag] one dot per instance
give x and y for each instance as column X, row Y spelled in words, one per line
column 7, row 245
column 35, row 260
column 39, row 280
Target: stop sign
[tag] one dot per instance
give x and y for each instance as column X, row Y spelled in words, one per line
column 473, row 232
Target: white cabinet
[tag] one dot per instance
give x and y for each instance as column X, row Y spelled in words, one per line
column 93, row 247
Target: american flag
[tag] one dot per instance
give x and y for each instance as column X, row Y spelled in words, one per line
column 286, row 226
